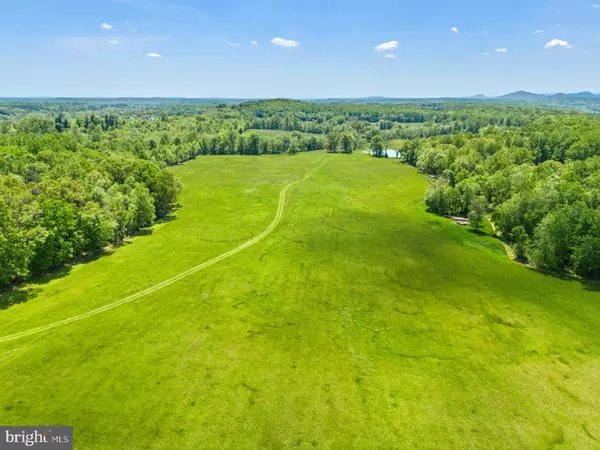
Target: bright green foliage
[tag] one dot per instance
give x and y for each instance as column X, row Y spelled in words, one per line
column 520, row 239
column 526, row 161
column 377, row 146
column 477, row 212
column 333, row 142
column 62, row 240
column 587, row 257
column 57, row 204
column 361, row 321
column 543, row 190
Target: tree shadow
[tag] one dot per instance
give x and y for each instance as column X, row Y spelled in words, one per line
column 21, row 293
column 587, row 284
column 479, row 232
column 28, row 290
column 15, row 295
column 591, row 285
column 560, row 274
column 168, row 218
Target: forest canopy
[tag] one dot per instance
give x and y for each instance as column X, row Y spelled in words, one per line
column 77, row 177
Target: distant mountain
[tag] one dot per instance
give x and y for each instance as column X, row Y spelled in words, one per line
column 522, row 96
column 586, row 94
column 479, row 97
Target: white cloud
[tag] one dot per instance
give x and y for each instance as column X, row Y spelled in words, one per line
column 538, row 32
column 454, row 30
column 115, row 42
column 596, row 5
column 485, row 53
column 154, row 55
column 387, row 46
column 233, row 44
column 501, row 50
column 554, row 43
column 106, row 26
column 284, row 42
column 256, row 44
column 389, row 56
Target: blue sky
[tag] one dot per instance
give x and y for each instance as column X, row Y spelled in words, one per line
column 301, row 49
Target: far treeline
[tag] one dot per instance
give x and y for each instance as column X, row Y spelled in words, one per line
column 77, row 177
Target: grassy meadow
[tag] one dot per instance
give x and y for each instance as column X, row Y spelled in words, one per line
column 278, row 133
column 361, row 321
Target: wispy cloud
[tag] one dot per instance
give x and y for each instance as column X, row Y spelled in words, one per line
column 154, row 55
column 538, row 32
column 254, row 43
column 288, row 43
column 106, row 26
column 557, row 43
column 387, row 46
column 596, row 6
column 502, row 50
column 233, row 44
column 455, row 30
column 114, row 42
column 389, row 56
column 485, row 53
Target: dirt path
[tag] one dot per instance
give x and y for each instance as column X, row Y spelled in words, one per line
column 509, row 250
column 170, row 281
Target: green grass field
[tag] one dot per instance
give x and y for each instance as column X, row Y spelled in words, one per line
column 360, row 321
column 280, row 133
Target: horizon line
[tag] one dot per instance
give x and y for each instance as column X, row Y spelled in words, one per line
column 464, row 97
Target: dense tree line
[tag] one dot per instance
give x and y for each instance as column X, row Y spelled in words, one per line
column 72, row 183
column 540, row 183
column 76, row 176
column 57, row 203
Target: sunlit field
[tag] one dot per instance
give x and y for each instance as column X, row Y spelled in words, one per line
column 360, row 321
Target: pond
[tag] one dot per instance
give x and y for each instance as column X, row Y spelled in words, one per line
column 390, row 152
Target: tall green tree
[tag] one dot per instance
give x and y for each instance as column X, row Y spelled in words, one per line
column 477, row 212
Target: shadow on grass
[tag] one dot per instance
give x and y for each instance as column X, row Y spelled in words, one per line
column 17, row 294
column 480, row 232
column 587, row 284
column 21, row 293
column 168, row 218
column 591, row 285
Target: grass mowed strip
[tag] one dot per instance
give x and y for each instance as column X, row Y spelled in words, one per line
column 360, row 321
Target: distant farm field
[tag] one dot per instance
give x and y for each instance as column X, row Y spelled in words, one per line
column 273, row 133
column 359, row 321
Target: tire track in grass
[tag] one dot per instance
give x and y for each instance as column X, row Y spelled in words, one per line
column 176, row 278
